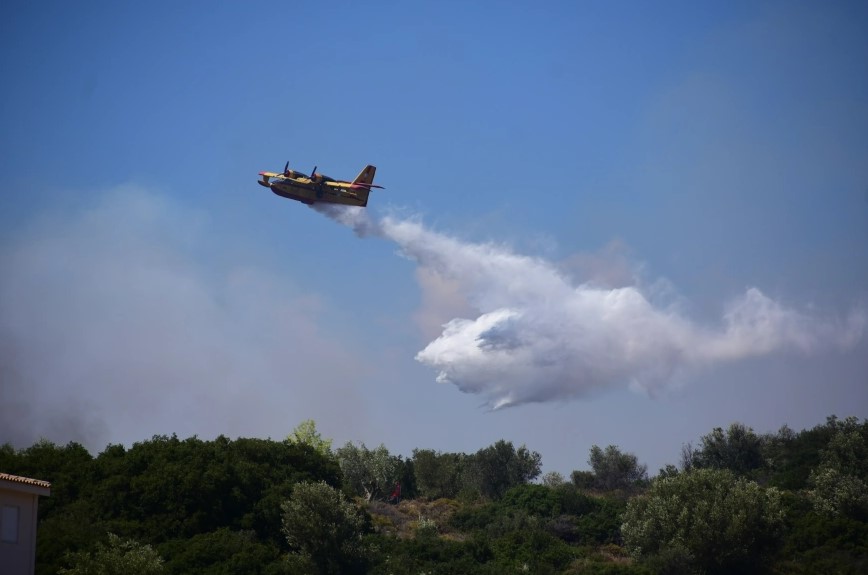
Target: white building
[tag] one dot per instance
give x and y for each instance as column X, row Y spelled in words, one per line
column 19, row 500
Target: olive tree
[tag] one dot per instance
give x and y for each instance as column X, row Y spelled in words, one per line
column 324, row 529
column 553, row 479
column 614, row 469
column 438, row 474
column 716, row 521
column 738, row 449
column 118, row 557
column 494, row 470
column 840, row 482
column 306, row 433
column 368, row 472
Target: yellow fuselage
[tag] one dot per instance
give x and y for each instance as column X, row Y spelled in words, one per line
column 310, row 191
column 320, row 188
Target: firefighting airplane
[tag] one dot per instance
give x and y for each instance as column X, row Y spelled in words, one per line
column 320, row 188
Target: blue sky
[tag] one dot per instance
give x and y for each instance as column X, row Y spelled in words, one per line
column 635, row 171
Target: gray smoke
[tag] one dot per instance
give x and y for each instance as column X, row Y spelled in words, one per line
column 127, row 319
column 535, row 335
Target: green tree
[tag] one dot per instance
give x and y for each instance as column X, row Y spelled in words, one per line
column 668, row 471
column 407, row 476
column 553, row 479
column 536, row 500
column 614, row 469
column 119, row 557
column 499, row 467
column 164, row 490
column 172, row 488
column 428, row 555
column 368, row 472
column 305, row 433
column 793, row 456
column 820, row 542
column 438, row 474
column 582, row 479
column 738, row 449
column 66, row 467
column 66, row 521
column 531, row 551
column 721, row 523
column 223, row 552
column 776, row 449
column 840, row 482
column 324, row 529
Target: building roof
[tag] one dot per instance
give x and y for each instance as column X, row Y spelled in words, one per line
column 25, row 480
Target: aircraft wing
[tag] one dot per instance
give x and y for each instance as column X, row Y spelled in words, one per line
column 269, row 174
column 352, row 186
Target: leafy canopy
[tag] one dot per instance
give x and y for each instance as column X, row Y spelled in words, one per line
column 305, row 433
column 721, row 523
column 119, row 557
column 614, row 469
column 368, row 472
column 324, row 529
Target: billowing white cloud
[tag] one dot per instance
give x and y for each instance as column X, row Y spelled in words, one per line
column 537, row 336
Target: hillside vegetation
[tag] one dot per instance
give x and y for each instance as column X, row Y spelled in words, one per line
column 737, row 502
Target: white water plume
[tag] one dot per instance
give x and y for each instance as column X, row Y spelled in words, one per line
column 538, row 336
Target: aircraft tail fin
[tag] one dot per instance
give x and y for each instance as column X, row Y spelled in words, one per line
column 366, row 176
column 364, row 182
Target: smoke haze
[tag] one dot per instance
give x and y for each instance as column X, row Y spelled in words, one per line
column 124, row 321
column 128, row 319
column 538, row 336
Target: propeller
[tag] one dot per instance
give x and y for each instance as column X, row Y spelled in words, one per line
column 313, row 172
column 286, row 169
